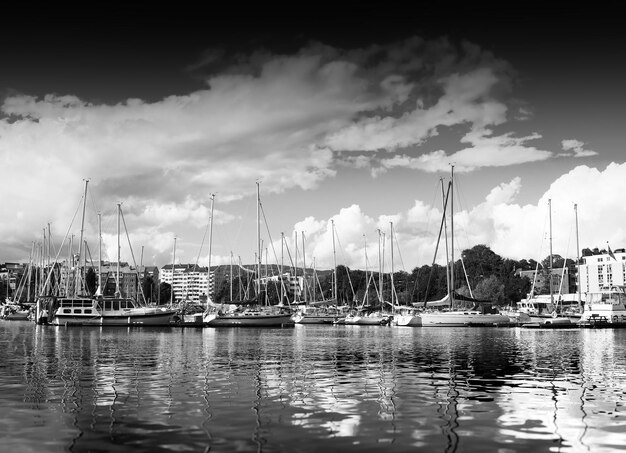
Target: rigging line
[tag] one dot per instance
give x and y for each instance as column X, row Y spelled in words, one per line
column 346, row 267
column 56, row 258
column 429, row 218
column 202, row 244
column 443, row 221
column 269, row 235
column 132, row 254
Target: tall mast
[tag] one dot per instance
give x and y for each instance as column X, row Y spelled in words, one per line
column 100, row 290
column 143, row 276
column 118, row 293
column 550, row 270
column 367, row 282
column 208, row 271
column 334, row 289
column 282, row 257
column 231, row 275
column 393, row 305
column 445, row 231
column 577, row 255
column 295, row 265
column 173, row 268
column 452, row 236
column 380, row 273
column 303, row 268
column 80, row 244
column 258, row 239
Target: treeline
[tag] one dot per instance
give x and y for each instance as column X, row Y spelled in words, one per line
column 481, row 274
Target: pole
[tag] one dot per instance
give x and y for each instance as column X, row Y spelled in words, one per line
column 334, row 289
column 550, row 269
column 173, row 268
column 452, row 236
column 208, row 271
column 577, row 256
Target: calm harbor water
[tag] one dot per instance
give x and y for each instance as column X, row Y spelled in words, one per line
column 311, row 388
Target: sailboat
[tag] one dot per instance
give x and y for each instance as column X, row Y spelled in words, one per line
column 323, row 311
column 81, row 309
column 257, row 314
column 542, row 309
column 452, row 316
column 364, row 315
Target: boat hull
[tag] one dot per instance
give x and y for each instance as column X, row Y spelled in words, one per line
column 463, row 318
column 148, row 317
column 249, row 320
column 315, row 319
column 376, row 320
column 408, row 320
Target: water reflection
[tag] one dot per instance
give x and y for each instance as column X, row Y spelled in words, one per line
column 310, row 388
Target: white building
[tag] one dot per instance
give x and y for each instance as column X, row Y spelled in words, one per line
column 598, row 271
column 188, row 281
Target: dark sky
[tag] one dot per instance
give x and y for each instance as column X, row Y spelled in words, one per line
column 142, row 49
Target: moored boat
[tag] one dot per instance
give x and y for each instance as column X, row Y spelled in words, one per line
column 101, row 311
column 605, row 308
column 252, row 316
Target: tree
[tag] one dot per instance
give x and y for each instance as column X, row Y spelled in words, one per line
column 147, row 286
column 165, row 293
column 91, row 281
column 490, row 289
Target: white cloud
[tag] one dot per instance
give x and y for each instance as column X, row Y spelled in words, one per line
column 512, row 230
column 575, row 148
column 290, row 121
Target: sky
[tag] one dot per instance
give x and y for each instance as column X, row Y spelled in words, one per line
column 348, row 117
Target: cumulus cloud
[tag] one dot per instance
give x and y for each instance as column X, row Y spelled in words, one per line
column 509, row 228
column 292, row 121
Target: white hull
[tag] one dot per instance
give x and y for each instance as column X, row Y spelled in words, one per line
column 102, row 312
column 408, row 320
column 130, row 317
column 462, row 318
column 374, row 319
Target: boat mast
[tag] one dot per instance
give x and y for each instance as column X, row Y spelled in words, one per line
column 380, row 273
column 173, row 267
column 118, row 293
column 577, row 255
column 80, row 245
column 231, row 275
column 451, row 236
column 258, row 239
column 99, row 292
column 393, row 305
column 282, row 275
column 334, row 289
column 444, row 200
column 295, row 268
column 367, row 282
column 208, row 271
column 303, row 268
column 550, row 269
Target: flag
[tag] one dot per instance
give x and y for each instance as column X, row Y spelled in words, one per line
column 610, row 252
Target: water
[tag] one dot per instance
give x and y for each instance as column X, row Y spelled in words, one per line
column 311, row 388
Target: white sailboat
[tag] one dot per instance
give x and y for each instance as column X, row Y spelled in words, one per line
column 364, row 315
column 81, row 309
column 542, row 310
column 452, row 316
column 257, row 314
column 317, row 311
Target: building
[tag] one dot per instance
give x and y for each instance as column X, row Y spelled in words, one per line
column 602, row 270
column 561, row 282
column 188, row 281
